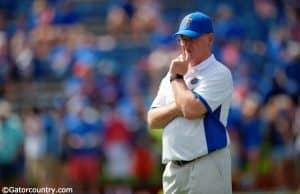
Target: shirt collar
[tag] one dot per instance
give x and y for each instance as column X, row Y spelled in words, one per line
column 204, row 63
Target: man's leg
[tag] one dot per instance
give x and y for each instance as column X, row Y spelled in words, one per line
column 176, row 178
column 212, row 174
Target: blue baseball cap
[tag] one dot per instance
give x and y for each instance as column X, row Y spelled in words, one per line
column 195, row 24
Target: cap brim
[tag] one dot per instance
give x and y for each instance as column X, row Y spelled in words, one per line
column 188, row 33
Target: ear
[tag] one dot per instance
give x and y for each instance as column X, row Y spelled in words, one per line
column 211, row 37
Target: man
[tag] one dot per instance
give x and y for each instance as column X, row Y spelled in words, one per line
column 192, row 107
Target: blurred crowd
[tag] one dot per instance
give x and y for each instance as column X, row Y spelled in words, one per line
column 92, row 133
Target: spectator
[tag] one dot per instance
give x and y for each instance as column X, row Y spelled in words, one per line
column 35, row 147
column 83, row 144
column 11, row 143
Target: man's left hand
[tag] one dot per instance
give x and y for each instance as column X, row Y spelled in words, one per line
column 179, row 65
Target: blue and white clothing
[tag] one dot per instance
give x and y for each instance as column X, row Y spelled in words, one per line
column 184, row 139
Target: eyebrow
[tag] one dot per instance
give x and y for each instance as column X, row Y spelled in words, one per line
column 181, row 37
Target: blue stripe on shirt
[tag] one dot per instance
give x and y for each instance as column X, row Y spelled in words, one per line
column 215, row 131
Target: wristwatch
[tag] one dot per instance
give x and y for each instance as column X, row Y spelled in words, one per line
column 176, row 76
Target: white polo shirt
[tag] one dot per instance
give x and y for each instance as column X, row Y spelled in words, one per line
column 184, row 139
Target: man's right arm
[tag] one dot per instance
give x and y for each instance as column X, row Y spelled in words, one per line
column 159, row 117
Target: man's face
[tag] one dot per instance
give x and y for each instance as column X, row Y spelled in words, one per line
column 196, row 48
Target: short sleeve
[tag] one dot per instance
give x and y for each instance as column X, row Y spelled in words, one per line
column 160, row 99
column 214, row 90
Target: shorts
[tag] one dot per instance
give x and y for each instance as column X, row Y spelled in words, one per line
column 83, row 169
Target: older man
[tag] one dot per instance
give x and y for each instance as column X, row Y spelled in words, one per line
column 192, row 107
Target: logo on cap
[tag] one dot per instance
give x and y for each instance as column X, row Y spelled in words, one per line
column 187, row 21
